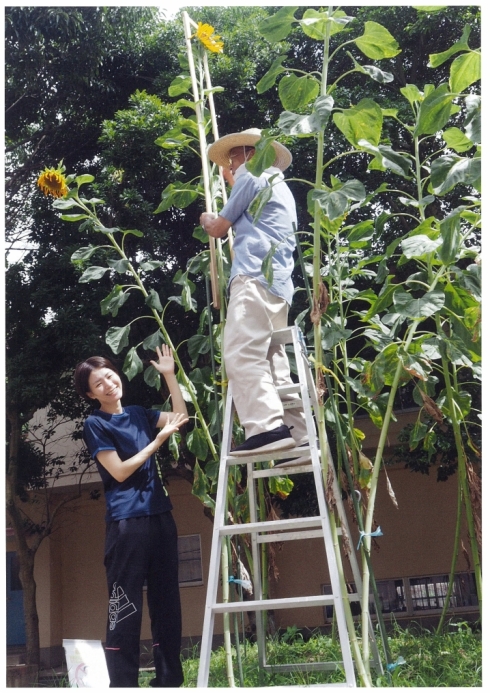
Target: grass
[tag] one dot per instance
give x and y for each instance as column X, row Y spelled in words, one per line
column 452, row 659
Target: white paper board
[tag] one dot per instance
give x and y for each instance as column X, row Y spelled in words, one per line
column 85, row 660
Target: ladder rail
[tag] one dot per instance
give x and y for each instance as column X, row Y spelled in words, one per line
column 324, row 512
column 345, row 529
column 302, row 394
column 214, row 560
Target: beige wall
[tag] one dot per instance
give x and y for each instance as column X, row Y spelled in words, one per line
column 72, row 595
column 417, row 540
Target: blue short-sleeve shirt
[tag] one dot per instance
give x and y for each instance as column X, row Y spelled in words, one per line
column 275, row 226
column 143, row 492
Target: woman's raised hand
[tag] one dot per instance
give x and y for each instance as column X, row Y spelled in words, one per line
column 166, row 363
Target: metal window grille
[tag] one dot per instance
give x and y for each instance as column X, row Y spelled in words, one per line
column 190, row 563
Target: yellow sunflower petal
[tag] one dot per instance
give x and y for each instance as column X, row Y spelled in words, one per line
column 53, row 182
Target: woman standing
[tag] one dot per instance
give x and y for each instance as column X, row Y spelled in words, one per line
column 141, row 536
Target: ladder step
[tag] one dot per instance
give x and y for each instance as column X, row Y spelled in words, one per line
column 342, row 684
column 266, row 604
column 282, row 471
column 284, row 336
column 265, row 456
column 292, row 389
column 304, row 666
column 290, row 536
column 271, row 526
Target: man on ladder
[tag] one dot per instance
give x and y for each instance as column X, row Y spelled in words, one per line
column 255, row 368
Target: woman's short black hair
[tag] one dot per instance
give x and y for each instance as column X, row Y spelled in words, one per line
column 83, row 371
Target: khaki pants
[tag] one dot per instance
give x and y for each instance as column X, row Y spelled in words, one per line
column 254, row 368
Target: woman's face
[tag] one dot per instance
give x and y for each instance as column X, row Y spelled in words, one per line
column 105, row 386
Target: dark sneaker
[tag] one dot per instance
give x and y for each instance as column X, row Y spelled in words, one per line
column 270, row 441
column 297, row 461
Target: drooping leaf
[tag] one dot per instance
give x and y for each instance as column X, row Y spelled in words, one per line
column 297, row 92
column 179, row 195
column 152, row 377
column 465, row 70
column 418, row 308
column 451, row 169
column 457, row 140
column 417, row 433
column 472, row 124
column 114, row 301
column 153, row 301
column 153, row 341
column 173, row 444
column 266, row 267
column 374, row 72
column 73, row 217
column 263, row 157
column 304, row 125
column 437, row 59
column 132, row 364
column 196, row 345
column 197, row 443
column 361, row 122
column 415, row 365
column 180, row 85
column 419, row 246
column 335, row 201
column 120, row 266
column 277, row 27
column 84, row 253
column 435, row 111
column 365, row 471
column 451, row 237
column 84, row 178
column 117, row 338
column 269, row 79
column 388, row 158
column 92, row 274
column 315, row 24
column 412, row 93
column 257, row 205
column 377, row 42
column 280, row 486
column 200, row 487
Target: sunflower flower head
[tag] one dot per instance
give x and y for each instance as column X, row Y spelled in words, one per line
column 53, row 182
column 205, row 35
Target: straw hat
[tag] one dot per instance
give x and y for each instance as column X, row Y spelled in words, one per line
column 219, row 151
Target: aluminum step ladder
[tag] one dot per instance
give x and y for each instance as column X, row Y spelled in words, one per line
column 282, row 530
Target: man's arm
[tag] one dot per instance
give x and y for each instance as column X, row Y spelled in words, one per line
column 215, row 226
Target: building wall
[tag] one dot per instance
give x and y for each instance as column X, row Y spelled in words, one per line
column 72, row 594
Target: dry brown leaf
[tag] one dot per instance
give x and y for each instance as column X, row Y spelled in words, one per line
column 433, row 410
column 391, row 493
column 320, row 304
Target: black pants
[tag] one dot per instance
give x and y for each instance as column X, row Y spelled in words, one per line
column 139, row 549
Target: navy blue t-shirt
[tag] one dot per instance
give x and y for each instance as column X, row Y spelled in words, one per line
column 142, row 493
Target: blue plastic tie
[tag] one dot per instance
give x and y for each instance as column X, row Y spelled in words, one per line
column 246, row 584
column 377, row 533
column 391, row 667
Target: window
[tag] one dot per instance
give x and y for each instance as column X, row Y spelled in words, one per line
column 412, row 595
column 392, row 596
column 190, row 565
column 430, row 592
